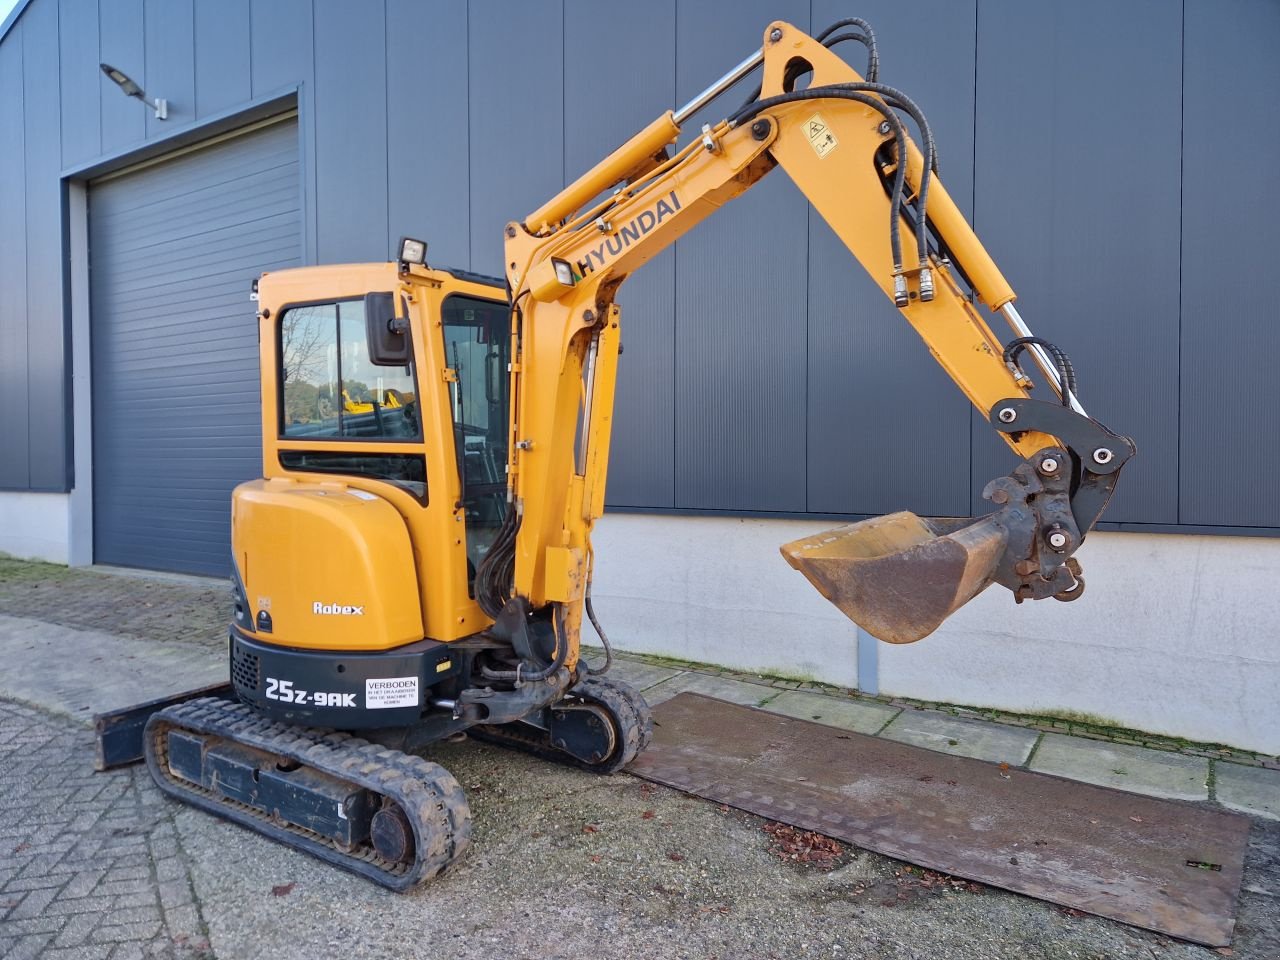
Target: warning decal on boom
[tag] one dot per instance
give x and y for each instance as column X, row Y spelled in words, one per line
column 820, row 136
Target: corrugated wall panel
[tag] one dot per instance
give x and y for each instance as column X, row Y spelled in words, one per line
column 223, row 72
column 1077, row 195
column 741, row 303
column 1231, row 231
column 351, row 131
column 887, row 428
column 428, row 152
column 48, row 453
column 81, row 108
column 735, row 371
column 13, row 271
column 169, row 55
column 124, row 120
column 281, row 55
column 517, row 117
column 641, row 77
column 281, row 44
column 173, row 249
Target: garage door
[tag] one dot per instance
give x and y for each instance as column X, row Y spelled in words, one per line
column 173, row 249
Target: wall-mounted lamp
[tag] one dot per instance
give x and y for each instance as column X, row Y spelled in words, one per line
column 131, row 89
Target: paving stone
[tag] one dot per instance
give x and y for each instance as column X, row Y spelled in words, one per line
column 37, row 881
column 118, row 887
column 1155, row 773
column 642, row 676
column 130, row 900
column 82, row 884
column 978, row 739
column 126, row 932
column 61, row 907
column 174, row 893
column 31, row 925
column 1252, row 790
column 857, row 715
column 29, row 947
column 105, row 887
column 94, row 951
column 735, row 691
column 32, row 904
column 184, row 921
column 77, row 929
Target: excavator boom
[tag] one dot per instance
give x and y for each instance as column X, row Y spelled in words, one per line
column 842, row 139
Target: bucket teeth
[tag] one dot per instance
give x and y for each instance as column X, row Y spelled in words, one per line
column 900, row 576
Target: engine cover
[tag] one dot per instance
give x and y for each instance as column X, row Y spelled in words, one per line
column 323, row 566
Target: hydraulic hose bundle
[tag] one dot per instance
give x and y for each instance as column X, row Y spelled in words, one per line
column 886, row 100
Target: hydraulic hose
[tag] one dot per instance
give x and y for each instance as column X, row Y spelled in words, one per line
column 896, row 98
column 893, row 98
column 604, row 638
column 869, row 41
column 1066, row 371
column 557, row 661
column 842, row 92
column 497, row 570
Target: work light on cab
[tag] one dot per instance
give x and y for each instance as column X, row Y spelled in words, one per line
column 413, row 252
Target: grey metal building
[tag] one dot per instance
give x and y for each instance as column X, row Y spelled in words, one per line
column 1117, row 159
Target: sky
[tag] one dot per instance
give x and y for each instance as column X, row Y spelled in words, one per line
column 5, row 7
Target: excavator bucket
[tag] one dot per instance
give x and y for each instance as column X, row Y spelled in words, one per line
column 899, row 576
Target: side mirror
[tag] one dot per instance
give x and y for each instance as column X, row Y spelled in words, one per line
column 389, row 344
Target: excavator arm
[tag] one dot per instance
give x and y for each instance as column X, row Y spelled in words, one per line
column 843, row 140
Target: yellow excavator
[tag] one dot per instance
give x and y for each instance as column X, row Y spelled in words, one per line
column 419, row 563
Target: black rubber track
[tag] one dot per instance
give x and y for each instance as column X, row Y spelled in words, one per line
column 628, row 710
column 431, row 798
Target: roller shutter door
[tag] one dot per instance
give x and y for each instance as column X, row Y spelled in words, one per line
column 173, row 248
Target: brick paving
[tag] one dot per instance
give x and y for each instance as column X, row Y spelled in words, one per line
column 164, row 609
column 90, row 863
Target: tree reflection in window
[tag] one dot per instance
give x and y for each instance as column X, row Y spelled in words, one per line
column 330, row 388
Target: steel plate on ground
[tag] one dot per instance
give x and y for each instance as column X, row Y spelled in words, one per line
column 1159, row 864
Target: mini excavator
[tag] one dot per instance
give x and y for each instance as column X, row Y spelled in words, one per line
column 416, row 559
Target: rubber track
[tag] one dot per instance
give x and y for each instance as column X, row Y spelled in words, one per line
column 633, row 726
column 429, row 795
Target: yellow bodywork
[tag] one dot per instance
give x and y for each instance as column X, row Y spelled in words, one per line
column 417, row 547
column 327, row 561
column 297, row 535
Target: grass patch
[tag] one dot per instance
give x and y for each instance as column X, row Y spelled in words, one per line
column 13, row 570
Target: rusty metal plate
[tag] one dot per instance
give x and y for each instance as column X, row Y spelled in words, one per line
column 1159, row 864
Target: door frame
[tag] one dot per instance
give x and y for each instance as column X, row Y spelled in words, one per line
column 279, row 106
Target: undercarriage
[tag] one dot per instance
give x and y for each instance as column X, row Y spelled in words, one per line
column 370, row 805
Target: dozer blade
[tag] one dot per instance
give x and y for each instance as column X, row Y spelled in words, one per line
column 899, row 576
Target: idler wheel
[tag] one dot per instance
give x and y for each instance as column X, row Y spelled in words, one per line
column 392, row 834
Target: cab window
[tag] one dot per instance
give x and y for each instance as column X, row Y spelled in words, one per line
column 329, row 388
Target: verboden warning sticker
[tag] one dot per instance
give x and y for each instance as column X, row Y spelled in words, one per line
column 820, row 136
column 387, row 692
